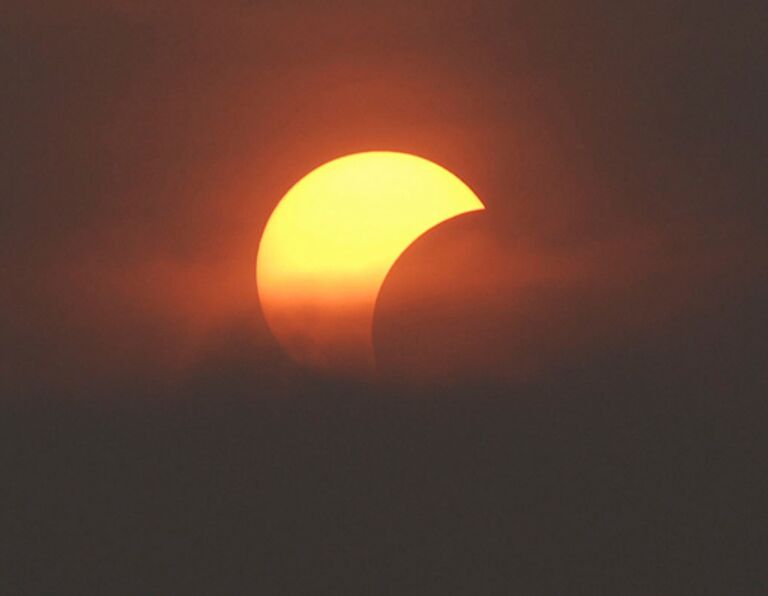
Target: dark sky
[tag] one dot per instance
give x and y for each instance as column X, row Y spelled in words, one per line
column 573, row 381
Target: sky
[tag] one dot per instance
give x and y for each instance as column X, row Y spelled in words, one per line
column 573, row 381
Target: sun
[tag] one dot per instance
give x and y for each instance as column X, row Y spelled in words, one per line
column 330, row 242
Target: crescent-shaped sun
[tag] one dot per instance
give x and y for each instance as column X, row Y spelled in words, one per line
column 331, row 241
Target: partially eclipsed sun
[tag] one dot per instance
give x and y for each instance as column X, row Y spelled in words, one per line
column 331, row 241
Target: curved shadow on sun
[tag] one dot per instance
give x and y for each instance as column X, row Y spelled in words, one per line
column 430, row 287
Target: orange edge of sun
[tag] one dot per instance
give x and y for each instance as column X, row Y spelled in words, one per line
column 331, row 241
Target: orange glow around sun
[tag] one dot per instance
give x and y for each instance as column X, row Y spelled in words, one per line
column 331, row 241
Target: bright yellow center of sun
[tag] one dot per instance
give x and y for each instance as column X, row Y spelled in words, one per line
column 331, row 240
